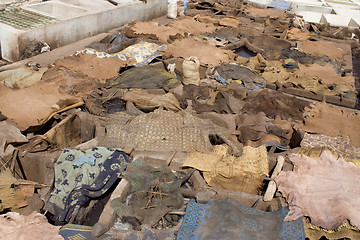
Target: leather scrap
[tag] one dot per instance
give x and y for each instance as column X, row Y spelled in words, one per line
column 94, row 67
column 147, row 77
column 264, row 12
column 322, row 48
column 229, row 22
column 169, row 131
column 255, row 129
column 21, row 77
column 188, row 47
column 272, row 71
column 72, row 82
column 29, row 108
column 297, row 35
column 14, row 192
column 154, row 193
column 33, row 227
column 147, row 101
column 190, row 25
column 9, row 135
column 324, row 189
column 226, row 171
column 324, row 119
column 339, row 144
column 153, row 28
column 313, row 232
column 326, row 74
column 274, row 104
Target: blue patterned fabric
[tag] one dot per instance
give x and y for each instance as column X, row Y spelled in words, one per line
column 76, row 184
column 229, row 219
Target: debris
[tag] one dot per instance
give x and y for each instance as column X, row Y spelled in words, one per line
column 32, row 48
column 45, row 48
column 172, row 9
column 127, row 133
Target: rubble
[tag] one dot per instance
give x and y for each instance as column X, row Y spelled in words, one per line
column 230, row 120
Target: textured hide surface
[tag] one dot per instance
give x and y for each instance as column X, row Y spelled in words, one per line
column 325, row 189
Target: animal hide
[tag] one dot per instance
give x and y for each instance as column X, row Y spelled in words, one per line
column 323, row 118
column 325, row 189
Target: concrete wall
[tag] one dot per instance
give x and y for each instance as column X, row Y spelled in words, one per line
column 9, row 42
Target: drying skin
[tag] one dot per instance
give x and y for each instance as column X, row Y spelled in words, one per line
column 162, row 33
column 226, row 171
column 322, row 48
column 325, row 189
column 165, row 130
column 188, row 47
column 32, row 227
column 72, row 82
column 29, row 108
column 177, row 27
column 339, row 144
column 275, row 104
column 94, row 67
column 326, row 74
column 324, row 119
column 21, row 77
column 148, row 101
